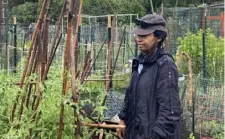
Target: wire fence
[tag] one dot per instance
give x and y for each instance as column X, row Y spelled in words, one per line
column 93, row 32
column 199, row 32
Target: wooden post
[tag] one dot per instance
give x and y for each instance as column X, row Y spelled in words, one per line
column 54, row 42
column 44, row 54
column 74, row 63
column 65, row 70
column 109, row 58
column 85, row 67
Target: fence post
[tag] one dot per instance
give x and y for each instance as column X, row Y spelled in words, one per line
column 204, row 49
column 15, row 44
column 6, row 41
column 108, row 50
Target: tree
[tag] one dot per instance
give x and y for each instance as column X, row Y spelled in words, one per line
column 27, row 10
column 25, row 13
column 13, row 3
column 103, row 7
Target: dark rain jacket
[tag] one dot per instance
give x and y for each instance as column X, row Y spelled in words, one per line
column 152, row 107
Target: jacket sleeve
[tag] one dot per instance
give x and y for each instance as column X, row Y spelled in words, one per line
column 123, row 113
column 169, row 110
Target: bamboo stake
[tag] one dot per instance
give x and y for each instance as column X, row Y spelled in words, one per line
column 65, row 71
column 87, row 69
column 39, row 22
column 86, row 66
column 33, row 57
column 41, row 63
column 110, row 126
column 74, row 55
column 34, row 98
column 103, row 80
column 86, row 62
column 39, row 70
column 109, row 59
column 44, row 47
column 53, row 48
column 28, row 95
column 74, row 61
column 32, row 83
column 89, row 72
column 51, row 58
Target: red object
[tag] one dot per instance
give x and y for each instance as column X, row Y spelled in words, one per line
column 209, row 110
column 222, row 23
column 221, row 18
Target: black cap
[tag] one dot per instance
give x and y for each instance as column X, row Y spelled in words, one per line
column 149, row 23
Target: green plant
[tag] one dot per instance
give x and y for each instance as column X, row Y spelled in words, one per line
column 125, row 79
column 191, row 136
column 192, row 44
column 217, row 131
column 46, row 123
column 213, row 128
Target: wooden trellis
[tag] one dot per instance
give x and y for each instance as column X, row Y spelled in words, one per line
column 39, row 61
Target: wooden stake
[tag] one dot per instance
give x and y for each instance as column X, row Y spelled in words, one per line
column 74, row 62
column 65, row 71
column 53, row 48
column 89, row 71
column 31, row 65
column 44, row 54
column 109, row 59
column 110, row 126
column 34, row 36
column 85, row 67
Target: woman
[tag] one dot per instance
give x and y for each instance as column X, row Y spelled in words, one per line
column 152, row 107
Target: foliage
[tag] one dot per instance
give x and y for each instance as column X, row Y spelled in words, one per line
column 118, row 85
column 13, row 3
column 214, row 129
column 192, row 45
column 54, row 9
column 25, row 13
column 191, row 136
column 47, row 121
column 110, row 6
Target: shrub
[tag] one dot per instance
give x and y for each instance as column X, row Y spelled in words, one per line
column 192, row 44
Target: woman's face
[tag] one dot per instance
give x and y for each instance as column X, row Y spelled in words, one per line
column 146, row 42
